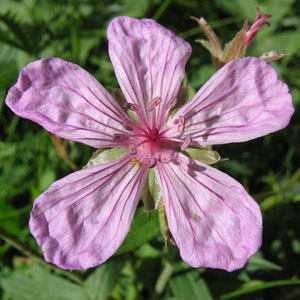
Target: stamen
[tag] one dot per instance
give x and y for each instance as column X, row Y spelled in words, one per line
column 152, row 162
column 131, row 106
column 121, row 137
column 127, row 126
column 164, row 159
column 132, row 149
column 186, row 143
column 154, row 103
column 137, row 162
column 154, row 132
column 181, row 124
column 170, row 105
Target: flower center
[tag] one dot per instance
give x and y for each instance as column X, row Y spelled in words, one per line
column 149, row 141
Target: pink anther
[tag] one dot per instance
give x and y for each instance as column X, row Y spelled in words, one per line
column 131, row 106
column 164, row 159
column 152, row 162
column 127, row 126
column 186, row 143
column 181, row 124
column 154, row 103
column 132, row 149
column 121, row 137
column 171, row 104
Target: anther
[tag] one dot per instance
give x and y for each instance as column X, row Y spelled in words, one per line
column 181, row 124
column 154, row 103
column 127, row 126
column 121, row 137
column 186, row 143
column 132, row 149
column 137, row 162
column 154, row 132
column 152, row 162
column 171, row 104
column 164, row 159
column 131, row 106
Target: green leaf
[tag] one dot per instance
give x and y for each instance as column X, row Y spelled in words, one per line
column 256, row 286
column 257, row 262
column 41, row 285
column 141, row 230
column 101, row 282
column 190, row 286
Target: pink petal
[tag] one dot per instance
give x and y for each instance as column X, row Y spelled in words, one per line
column 67, row 101
column 149, row 60
column 213, row 220
column 242, row 101
column 82, row 219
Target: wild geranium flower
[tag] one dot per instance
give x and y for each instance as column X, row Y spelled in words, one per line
column 82, row 219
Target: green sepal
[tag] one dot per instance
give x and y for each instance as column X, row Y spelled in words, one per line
column 105, row 155
column 151, row 192
column 182, row 99
column 213, row 45
column 205, row 155
column 163, row 222
column 272, row 56
column 235, row 48
column 119, row 96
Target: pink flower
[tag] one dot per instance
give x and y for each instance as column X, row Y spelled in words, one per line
column 82, row 219
column 259, row 21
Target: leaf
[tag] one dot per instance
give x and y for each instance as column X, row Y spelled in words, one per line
column 190, row 286
column 141, row 230
column 101, row 282
column 257, row 262
column 41, row 285
column 256, row 286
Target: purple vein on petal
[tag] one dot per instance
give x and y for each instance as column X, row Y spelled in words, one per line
column 223, row 97
column 91, row 118
column 121, row 113
column 206, row 187
column 102, row 112
column 134, row 99
column 116, row 203
column 195, row 201
column 78, row 181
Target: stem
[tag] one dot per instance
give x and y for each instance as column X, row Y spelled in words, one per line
column 161, row 9
column 292, row 180
column 27, row 250
column 74, row 33
column 72, row 165
column 164, row 278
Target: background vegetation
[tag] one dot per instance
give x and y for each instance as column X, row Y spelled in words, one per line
column 143, row 269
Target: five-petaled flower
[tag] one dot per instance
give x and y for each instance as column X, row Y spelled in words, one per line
column 82, row 219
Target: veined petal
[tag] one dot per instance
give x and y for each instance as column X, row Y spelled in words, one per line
column 82, row 219
column 149, row 60
column 213, row 220
column 242, row 101
column 67, row 101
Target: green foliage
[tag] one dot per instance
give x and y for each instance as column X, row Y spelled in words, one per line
column 143, row 268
